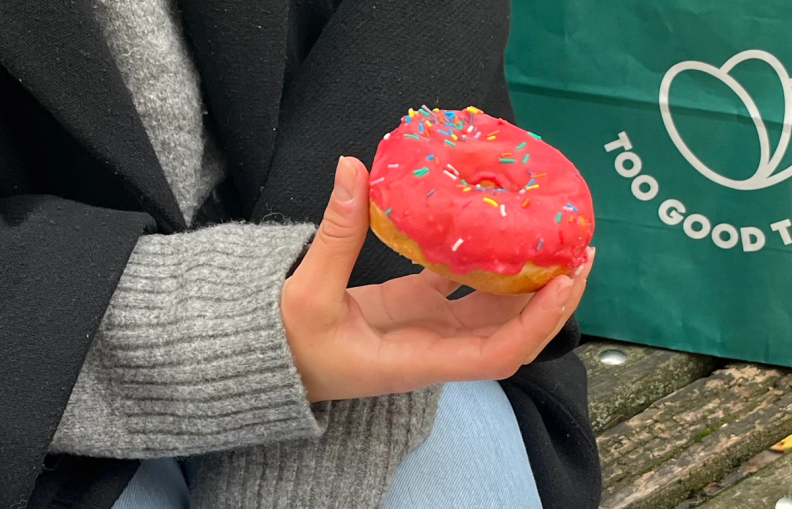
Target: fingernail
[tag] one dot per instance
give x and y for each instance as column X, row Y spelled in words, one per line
column 590, row 251
column 345, row 178
column 563, row 292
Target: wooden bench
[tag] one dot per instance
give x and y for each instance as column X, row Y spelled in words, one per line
column 678, row 431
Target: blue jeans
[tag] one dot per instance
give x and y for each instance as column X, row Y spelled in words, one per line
column 474, row 458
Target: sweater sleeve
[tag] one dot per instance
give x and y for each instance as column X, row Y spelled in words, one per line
column 191, row 355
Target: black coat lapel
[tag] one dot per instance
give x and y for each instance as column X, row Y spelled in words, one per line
column 57, row 51
column 240, row 50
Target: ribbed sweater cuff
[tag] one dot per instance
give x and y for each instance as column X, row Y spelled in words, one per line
column 351, row 466
column 191, row 355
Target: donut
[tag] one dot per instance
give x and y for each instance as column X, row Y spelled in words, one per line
column 479, row 201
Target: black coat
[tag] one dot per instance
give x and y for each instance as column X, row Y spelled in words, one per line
column 289, row 85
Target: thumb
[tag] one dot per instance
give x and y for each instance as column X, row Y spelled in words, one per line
column 329, row 261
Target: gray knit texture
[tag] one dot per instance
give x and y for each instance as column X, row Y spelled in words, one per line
column 146, row 40
column 191, row 356
column 351, row 466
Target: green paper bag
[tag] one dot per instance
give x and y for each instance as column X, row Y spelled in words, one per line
column 678, row 113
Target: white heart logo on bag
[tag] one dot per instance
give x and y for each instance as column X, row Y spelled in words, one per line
column 764, row 175
column 673, row 212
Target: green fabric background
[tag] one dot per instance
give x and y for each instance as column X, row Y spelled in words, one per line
column 581, row 72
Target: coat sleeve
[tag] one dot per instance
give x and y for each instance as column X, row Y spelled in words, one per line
column 373, row 60
column 60, row 262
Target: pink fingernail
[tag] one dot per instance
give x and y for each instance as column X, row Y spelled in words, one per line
column 345, row 180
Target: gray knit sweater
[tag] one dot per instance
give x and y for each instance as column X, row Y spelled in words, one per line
column 191, row 357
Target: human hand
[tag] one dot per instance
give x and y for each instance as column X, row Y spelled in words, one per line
column 404, row 334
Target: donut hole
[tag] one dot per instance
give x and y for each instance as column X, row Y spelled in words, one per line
column 481, row 167
column 490, row 180
column 487, row 183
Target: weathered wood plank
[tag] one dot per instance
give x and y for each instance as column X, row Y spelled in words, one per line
column 694, row 436
column 760, row 490
column 744, row 471
column 617, row 393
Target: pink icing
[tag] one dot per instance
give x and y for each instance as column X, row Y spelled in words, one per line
column 428, row 201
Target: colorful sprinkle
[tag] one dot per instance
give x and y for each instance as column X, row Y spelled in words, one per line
column 457, row 244
column 472, row 109
column 526, row 202
column 505, row 154
column 388, row 211
column 428, row 124
column 506, row 160
column 463, row 181
column 491, row 202
column 525, row 159
column 571, row 207
column 447, row 133
column 430, row 193
column 535, row 136
column 558, row 217
column 413, row 136
column 528, row 188
column 452, row 168
column 449, row 142
column 437, row 161
column 539, row 246
column 570, row 218
column 489, row 138
column 424, row 111
column 387, row 135
column 454, row 137
column 411, row 112
column 377, row 181
column 539, row 175
column 465, row 190
column 407, row 120
column 478, row 134
column 520, row 146
column 436, row 110
column 421, row 171
column 470, row 129
column 503, row 210
column 493, row 133
column 420, row 128
column 430, row 156
column 393, row 166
